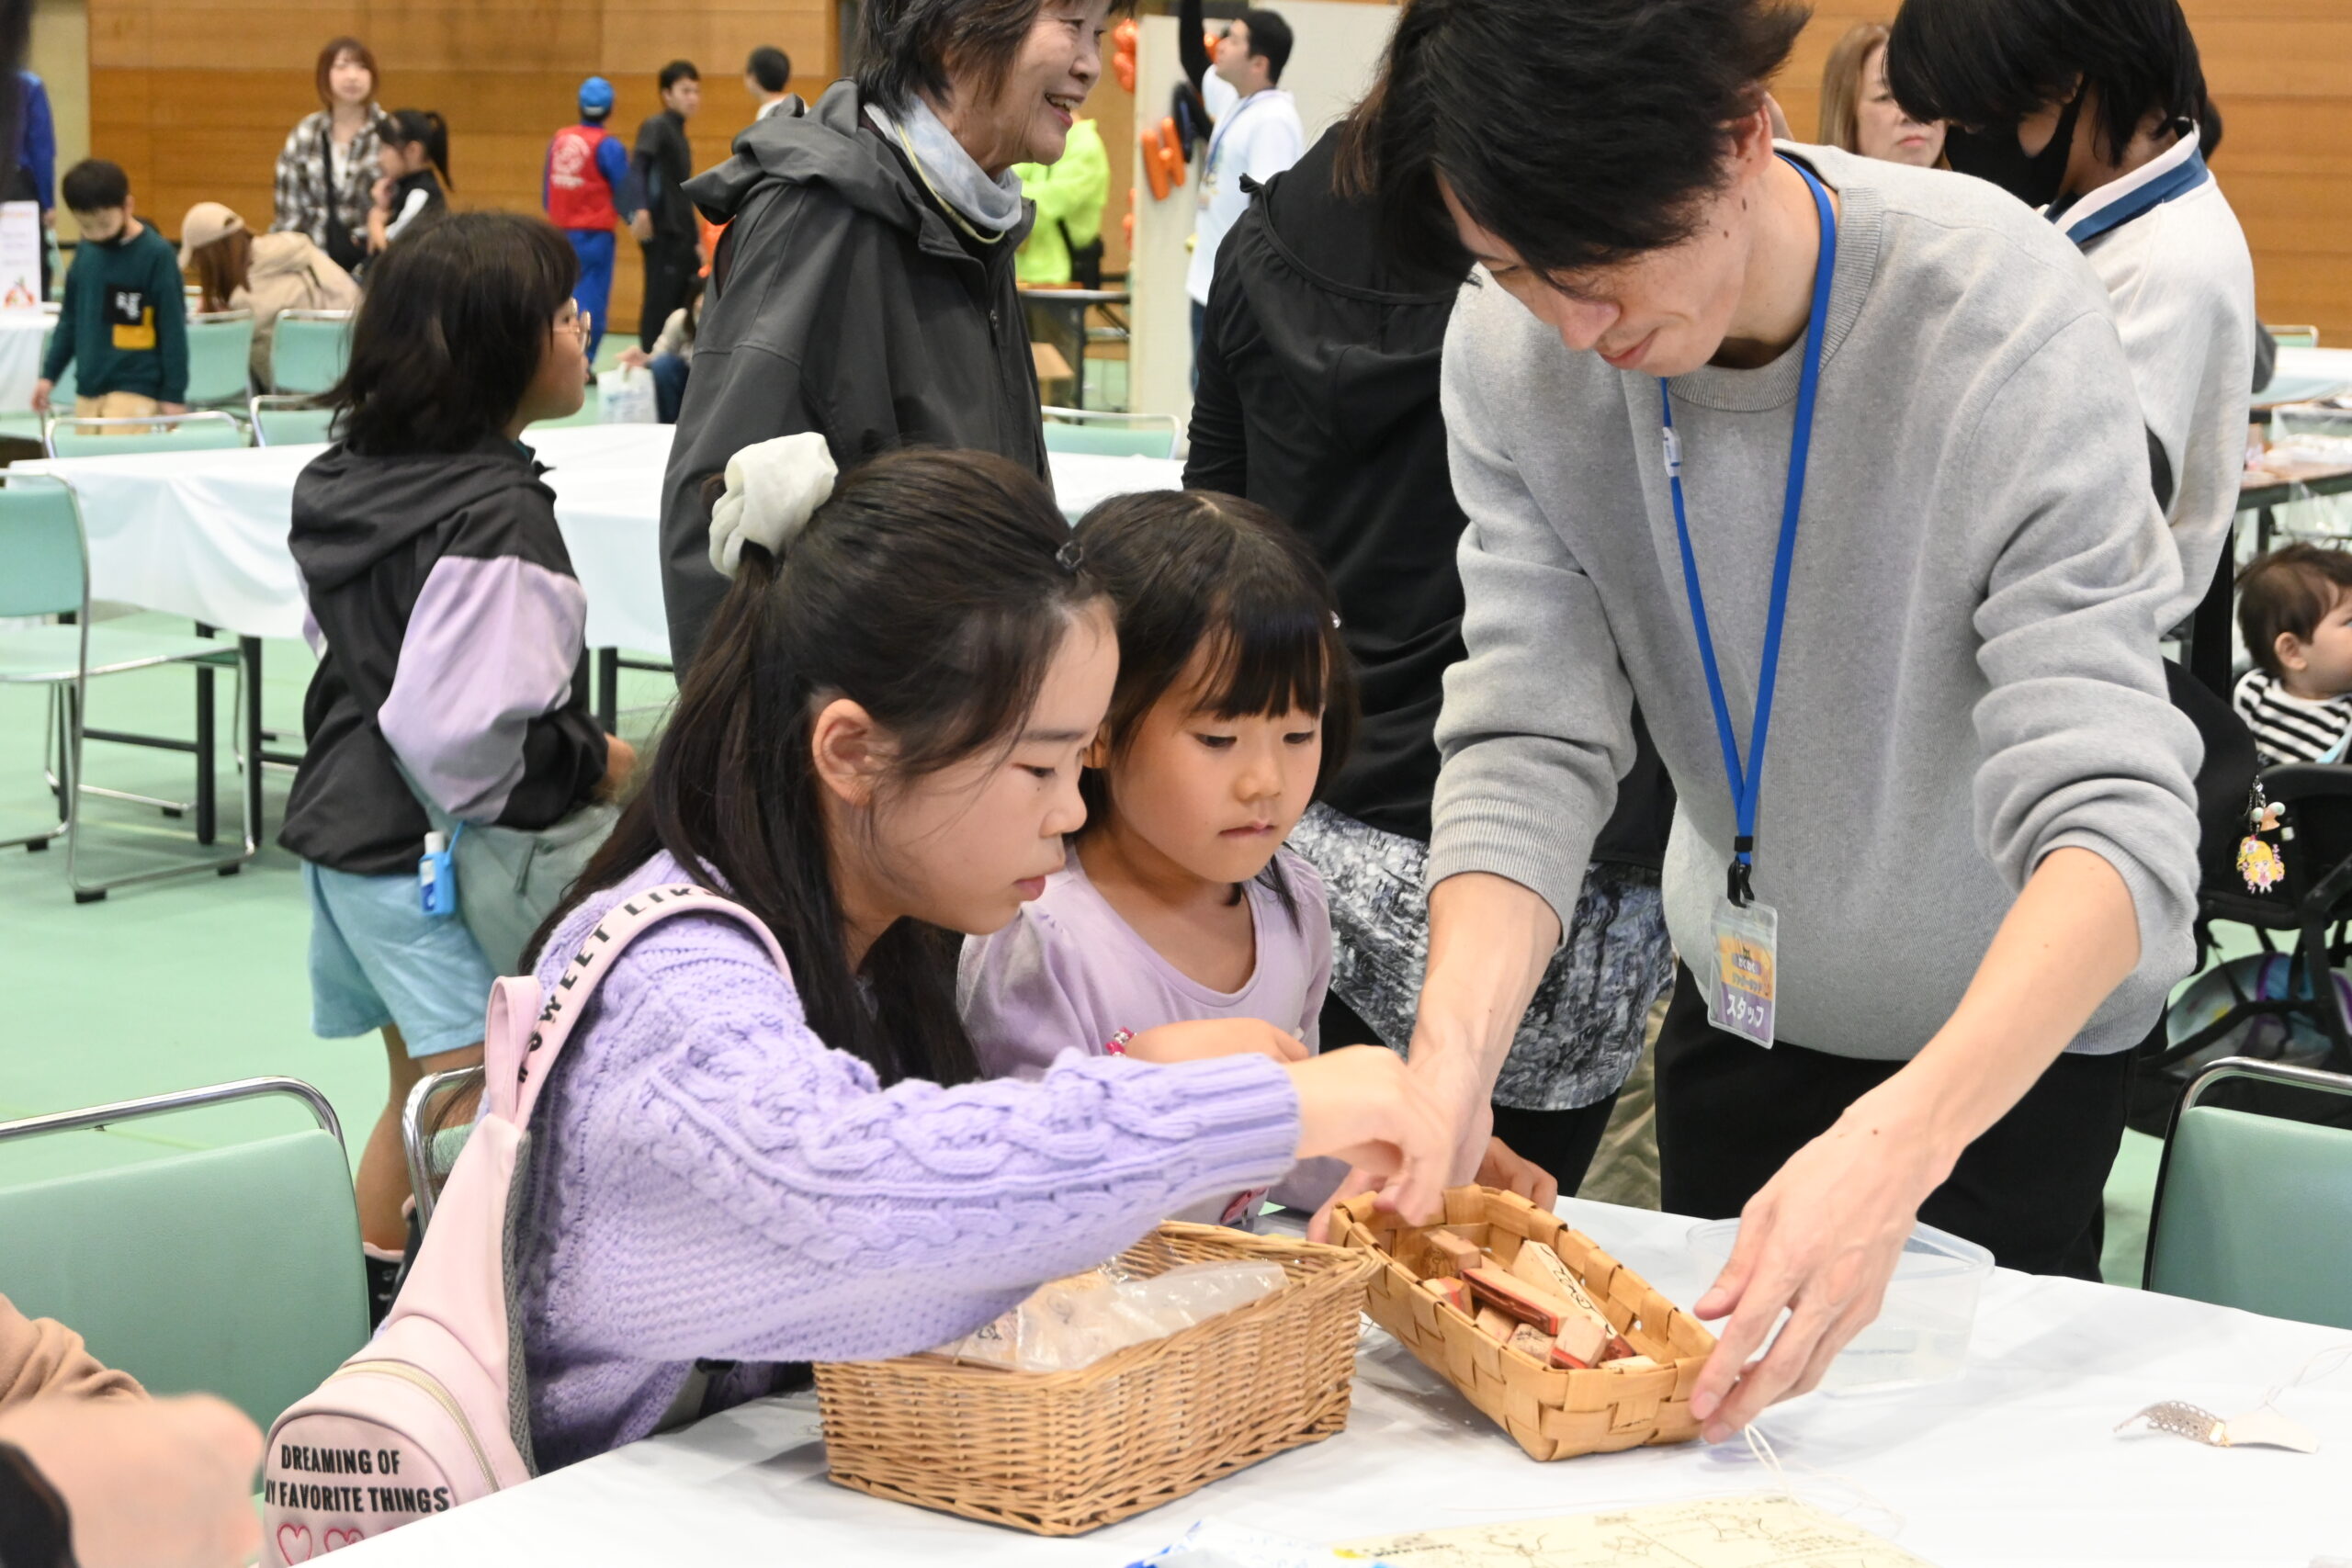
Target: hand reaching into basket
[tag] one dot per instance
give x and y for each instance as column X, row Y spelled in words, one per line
column 1361, row 1105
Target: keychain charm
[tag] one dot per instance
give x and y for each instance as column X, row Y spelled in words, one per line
column 2259, row 862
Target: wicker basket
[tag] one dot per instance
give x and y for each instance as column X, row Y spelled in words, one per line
column 1553, row 1415
column 1061, row 1453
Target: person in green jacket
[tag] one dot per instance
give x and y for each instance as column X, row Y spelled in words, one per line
column 124, row 319
column 1069, row 195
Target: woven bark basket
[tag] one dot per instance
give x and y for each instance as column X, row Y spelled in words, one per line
column 1062, row 1454
column 1551, row 1414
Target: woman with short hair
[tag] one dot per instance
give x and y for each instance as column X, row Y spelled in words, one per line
column 326, row 172
column 865, row 286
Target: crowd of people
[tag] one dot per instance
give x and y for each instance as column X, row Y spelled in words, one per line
column 1364, row 814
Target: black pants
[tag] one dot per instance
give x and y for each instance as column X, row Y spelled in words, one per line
column 1561, row 1142
column 1730, row 1113
column 670, row 265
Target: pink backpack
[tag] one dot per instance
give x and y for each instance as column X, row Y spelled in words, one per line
column 431, row 1412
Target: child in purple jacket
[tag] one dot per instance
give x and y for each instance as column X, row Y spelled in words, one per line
column 877, row 746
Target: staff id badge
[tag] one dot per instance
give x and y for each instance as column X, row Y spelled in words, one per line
column 1747, row 970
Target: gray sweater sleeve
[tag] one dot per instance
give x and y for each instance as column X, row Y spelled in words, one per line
column 1537, row 725
column 2081, row 746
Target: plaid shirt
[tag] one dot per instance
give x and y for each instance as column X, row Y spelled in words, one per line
column 305, row 182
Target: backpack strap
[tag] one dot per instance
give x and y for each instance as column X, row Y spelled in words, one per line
column 527, row 1030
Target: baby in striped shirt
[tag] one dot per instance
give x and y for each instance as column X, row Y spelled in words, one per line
column 2295, row 612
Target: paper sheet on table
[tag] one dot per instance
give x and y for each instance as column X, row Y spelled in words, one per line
column 1763, row 1531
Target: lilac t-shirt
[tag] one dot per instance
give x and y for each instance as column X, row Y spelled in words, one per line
column 1068, row 974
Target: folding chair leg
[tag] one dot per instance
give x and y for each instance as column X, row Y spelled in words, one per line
column 208, row 793
column 229, row 865
column 35, row 844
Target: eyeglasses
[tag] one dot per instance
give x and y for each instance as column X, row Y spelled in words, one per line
column 580, row 326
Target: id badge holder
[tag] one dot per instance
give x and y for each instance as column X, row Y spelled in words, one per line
column 437, row 878
column 1745, row 981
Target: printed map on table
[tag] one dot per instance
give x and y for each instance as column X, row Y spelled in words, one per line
column 1762, row 1532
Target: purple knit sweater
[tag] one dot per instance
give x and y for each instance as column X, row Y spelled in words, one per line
column 710, row 1180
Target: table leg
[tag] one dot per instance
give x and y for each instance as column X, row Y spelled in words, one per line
column 1078, row 321
column 249, row 649
column 208, row 805
column 608, row 688
column 2266, row 523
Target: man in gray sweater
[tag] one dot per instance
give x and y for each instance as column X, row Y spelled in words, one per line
column 1974, row 818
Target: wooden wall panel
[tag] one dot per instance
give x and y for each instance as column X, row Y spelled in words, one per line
column 2281, row 73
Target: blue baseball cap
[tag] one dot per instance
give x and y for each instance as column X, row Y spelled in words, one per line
column 595, row 96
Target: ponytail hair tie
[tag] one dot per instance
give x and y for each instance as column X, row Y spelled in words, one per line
column 1069, row 558
column 773, row 489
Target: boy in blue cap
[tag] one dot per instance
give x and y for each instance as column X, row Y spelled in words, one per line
column 585, row 191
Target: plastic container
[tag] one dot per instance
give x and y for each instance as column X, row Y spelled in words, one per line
column 1921, row 1333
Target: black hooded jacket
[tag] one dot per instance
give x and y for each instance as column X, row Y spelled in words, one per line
column 844, row 301
column 1319, row 399
column 449, row 629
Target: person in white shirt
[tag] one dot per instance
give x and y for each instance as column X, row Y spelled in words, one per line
column 2094, row 115
column 1257, row 133
column 2097, row 115
column 767, row 76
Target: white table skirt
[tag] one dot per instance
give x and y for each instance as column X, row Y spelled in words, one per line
column 20, row 337
column 2013, row 1463
column 203, row 533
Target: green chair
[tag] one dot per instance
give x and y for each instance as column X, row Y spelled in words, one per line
column 44, row 570
column 308, row 350
column 220, row 357
column 205, row 430
column 233, row 1270
column 1110, row 434
column 290, row 418
column 2251, row 1208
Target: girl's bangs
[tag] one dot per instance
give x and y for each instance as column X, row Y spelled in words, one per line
column 1267, row 659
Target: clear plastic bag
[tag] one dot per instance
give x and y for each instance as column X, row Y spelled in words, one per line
column 1074, row 1323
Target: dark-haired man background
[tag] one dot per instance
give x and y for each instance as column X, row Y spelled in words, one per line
column 767, row 76
column 665, row 227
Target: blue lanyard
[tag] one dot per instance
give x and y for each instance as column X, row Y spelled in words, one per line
column 1744, row 781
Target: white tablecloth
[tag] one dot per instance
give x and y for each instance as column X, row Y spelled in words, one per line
column 203, row 533
column 2013, row 1463
column 20, row 335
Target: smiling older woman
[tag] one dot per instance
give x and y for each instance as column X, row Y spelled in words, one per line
column 864, row 289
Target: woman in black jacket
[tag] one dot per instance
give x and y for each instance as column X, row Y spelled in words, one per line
column 864, row 288
column 1318, row 398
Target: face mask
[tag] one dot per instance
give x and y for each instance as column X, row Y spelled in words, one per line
column 1997, row 155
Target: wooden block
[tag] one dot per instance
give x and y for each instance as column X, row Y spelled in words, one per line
column 1631, row 1364
column 1498, row 1326
column 1520, row 1299
column 1542, row 1268
column 1451, row 1254
column 1620, row 1347
column 1582, row 1340
column 1532, row 1342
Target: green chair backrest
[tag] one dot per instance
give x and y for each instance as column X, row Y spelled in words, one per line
column 42, row 563
column 233, row 1270
column 219, row 360
column 308, row 353
column 2253, row 1213
column 68, row 440
column 1111, row 440
column 292, row 427
column 63, row 394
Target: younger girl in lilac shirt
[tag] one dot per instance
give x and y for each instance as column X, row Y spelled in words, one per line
column 1179, row 914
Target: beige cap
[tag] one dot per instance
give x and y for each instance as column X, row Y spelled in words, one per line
column 205, row 222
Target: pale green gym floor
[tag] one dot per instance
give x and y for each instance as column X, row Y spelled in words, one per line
column 176, row 984
column 201, row 979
